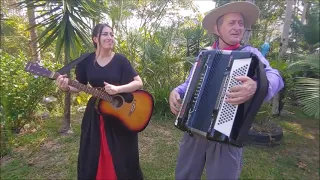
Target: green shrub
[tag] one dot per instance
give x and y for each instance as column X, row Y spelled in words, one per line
column 160, row 79
column 21, row 92
column 282, row 67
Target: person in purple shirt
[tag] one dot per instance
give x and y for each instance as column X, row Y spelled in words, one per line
column 222, row 161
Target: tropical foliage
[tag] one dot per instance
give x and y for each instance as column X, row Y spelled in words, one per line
column 21, row 93
column 307, row 88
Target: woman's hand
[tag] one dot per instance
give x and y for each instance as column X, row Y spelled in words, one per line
column 62, row 82
column 126, row 88
column 111, row 89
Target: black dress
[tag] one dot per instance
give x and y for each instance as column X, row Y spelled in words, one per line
column 107, row 148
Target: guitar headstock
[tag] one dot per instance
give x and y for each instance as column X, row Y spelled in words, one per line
column 37, row 69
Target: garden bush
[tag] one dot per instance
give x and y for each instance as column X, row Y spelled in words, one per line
column 21, row 93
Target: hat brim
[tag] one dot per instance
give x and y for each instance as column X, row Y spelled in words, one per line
column 249, row 11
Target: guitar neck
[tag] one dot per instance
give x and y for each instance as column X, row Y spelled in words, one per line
column 90, row 90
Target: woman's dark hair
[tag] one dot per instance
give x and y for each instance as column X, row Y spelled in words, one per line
column 97, row 32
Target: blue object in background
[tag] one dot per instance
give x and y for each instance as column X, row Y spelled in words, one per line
column 265, row 47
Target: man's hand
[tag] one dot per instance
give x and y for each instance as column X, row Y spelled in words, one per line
column 111, row 89
column 175, row 102
column 243, row 92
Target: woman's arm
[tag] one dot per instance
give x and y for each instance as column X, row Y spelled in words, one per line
column 127, row 88
column 132, row 86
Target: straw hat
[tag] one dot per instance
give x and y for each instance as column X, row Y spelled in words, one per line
column 249, row 11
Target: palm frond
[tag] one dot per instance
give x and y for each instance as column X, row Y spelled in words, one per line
column 310, row 62
column 65, row 21
column 307, row 93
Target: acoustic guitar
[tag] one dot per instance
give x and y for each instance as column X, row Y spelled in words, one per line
column 134, row 109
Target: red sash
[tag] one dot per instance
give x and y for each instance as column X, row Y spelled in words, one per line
column 236, row 46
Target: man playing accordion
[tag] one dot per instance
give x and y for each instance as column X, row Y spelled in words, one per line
column 222, row 161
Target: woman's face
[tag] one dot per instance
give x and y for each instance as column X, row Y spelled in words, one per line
column 106, row 38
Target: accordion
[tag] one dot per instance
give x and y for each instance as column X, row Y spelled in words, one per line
column 204, row 111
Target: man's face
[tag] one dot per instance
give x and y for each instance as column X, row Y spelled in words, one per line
column 232, row 28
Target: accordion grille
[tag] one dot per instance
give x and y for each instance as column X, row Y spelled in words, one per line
column 228, row 111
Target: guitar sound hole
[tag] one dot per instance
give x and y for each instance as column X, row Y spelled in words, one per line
column 117, row 102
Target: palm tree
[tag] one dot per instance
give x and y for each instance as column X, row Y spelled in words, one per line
column 33, row 33
column 67, row 23
column 307, row 88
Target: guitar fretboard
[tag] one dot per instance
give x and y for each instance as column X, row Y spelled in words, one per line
column 90, row 90
column 93, row 91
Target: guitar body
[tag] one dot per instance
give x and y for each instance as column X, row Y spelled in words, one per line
column 134, row 109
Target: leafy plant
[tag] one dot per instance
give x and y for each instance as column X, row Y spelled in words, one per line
column 306, row 36
column 14, row 38
column 21, row 92
column 82, row 98
column 285, row 94
column 307, row 92
column 307, row 88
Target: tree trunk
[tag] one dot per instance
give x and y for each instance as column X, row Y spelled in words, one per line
column 246, row 36
column 66, row 124
column 33, row 34
column 94, row 23
column 283, row 50
column 266, row 24
column 305, row 11
column 286, row 28
column 295, row 8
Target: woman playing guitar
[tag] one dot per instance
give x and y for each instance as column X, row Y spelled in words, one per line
column 108, row 150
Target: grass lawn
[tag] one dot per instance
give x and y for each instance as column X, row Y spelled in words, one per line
column 45, row 154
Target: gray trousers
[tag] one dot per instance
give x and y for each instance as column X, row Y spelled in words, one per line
column 222, row 161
